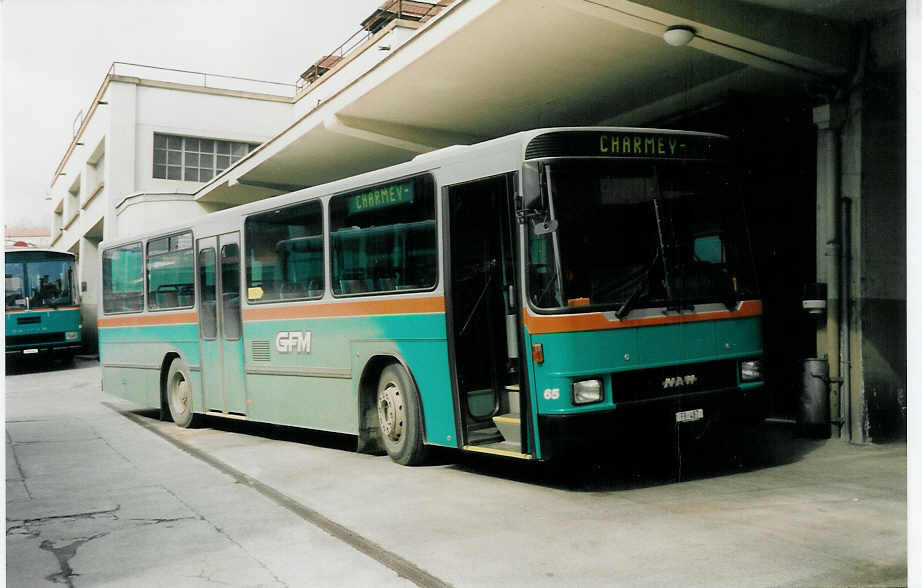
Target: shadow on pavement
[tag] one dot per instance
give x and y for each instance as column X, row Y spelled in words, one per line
column 636, row 461
column 26, row 364
column 324, row 439
column 645, row 460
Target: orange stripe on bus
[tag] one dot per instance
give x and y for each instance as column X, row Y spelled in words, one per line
column 351, row 308
column 596, row 321
column 148, row 320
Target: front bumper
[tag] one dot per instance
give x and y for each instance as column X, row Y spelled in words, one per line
column 604, row 430
column 71, row 347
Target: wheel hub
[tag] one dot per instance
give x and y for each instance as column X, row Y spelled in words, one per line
column 184, row 394
column 181, row 394
column 391, row 412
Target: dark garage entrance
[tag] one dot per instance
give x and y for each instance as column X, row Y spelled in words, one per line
column 775, row 150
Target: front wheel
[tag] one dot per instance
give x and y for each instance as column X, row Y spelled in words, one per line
column 179, row 394
column 400, row 417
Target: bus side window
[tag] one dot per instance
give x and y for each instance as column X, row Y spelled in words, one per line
column 383, row 239
column 230, row 292
column 122, row 279
column 284, row 253
column 208, row 308
column 170, row 271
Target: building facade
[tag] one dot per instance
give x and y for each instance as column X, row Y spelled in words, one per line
column 149, row 140
column 27, row 237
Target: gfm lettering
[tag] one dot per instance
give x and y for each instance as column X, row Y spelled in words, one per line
column 638, row 145
column 293, row 341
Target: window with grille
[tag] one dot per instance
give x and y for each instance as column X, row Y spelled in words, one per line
column 193, row 159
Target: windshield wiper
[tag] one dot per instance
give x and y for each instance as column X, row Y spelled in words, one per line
column 629, row 303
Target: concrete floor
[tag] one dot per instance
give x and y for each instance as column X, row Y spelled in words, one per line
column 101, row 494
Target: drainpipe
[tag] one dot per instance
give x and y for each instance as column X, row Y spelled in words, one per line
column 829, row 118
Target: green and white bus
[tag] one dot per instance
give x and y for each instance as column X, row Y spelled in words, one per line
column 515, row 297
column 42, row 305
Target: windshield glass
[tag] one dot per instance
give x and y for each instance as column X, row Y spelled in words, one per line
column 637, row 235
column 44, row 283
column 14, row 286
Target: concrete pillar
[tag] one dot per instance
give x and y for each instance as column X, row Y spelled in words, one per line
column 874, row 180
column 828, row 119
column 90, row 297
column 852, row 171
column 121, row 149
column 867, row 283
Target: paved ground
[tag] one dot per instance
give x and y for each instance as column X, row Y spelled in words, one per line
column 100, row 494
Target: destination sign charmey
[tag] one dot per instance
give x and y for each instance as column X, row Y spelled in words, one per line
column 627, row 144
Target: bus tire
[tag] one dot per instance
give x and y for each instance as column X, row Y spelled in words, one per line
column 179, row 394
column 400, row 416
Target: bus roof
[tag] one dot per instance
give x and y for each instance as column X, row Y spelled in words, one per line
column 511, row 146
column 29, row 250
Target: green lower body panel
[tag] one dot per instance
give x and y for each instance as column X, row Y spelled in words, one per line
column 315, row 386
column 326, row 404
column 132, row 358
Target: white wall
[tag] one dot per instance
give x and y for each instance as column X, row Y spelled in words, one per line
column 191, row 114
column 93, row 135
column 121, row 132
column 145, row 216
column 120, row 135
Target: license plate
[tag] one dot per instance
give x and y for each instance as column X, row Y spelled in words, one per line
column 688, row 416
column 27, row 351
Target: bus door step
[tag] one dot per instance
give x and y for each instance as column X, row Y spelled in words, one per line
column 510, row 426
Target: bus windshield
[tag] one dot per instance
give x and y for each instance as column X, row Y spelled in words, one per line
column 634, row 235
column 39, row 284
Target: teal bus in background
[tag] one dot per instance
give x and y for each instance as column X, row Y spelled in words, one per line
column 42, row 304
column 526, row 296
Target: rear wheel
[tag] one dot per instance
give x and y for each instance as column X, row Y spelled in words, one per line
column 179, row 394
column 400, row 417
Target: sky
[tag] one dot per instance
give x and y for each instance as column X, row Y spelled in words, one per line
column 55, row 54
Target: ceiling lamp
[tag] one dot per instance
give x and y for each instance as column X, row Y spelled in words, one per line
column 679, row 35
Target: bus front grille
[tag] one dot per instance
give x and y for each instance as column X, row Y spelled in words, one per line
column 672, row 380
column 35, row 339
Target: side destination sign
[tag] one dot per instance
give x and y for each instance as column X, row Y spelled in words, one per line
column 381, row 197
column 627, row 144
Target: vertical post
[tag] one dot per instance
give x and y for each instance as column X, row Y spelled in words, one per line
column 89, row 272
column 828, row 118
column 846, row 323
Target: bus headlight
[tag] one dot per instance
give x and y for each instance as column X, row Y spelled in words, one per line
column 751, row 370
column 586, row 391
column 70, row 335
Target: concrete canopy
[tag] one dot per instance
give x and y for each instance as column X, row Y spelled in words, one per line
column 485, row 68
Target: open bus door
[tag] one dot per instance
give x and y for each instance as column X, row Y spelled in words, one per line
column 483, row 316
